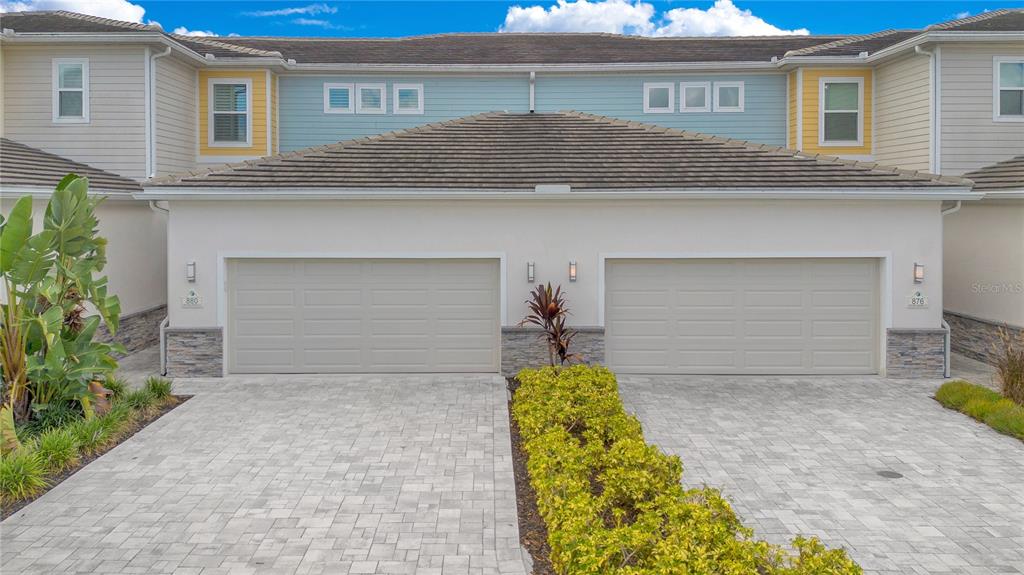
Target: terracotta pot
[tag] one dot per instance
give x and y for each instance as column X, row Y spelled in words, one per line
column 101, row 397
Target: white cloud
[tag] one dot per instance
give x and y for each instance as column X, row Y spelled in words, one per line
column 114, row 9
column 615, row 16
column 183, row 31
column 309, row 10
column 317, row 22
column 963, row 14
column 638, row 17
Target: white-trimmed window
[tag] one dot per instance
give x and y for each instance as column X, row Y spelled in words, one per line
column 728, row 96
column 841, row 112
column 371, row 99
column 339, row 98
column 695, row 96
column 230, row 117
column 71, row 90
column 659, row 97
column 407, row 98
column 1008, row 104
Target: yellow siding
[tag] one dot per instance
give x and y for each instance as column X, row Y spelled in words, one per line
column 810, row 94
column 791, row 136
column 259, row 113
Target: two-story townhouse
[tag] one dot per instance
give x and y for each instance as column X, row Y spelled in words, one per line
column 242, row 98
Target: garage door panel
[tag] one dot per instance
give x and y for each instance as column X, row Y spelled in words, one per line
column 363, row 315
column 743, row 316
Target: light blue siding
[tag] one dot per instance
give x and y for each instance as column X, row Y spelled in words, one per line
column 303, row 122
column 622, row 96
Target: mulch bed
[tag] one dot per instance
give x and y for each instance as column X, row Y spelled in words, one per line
column 533, row 533
column 11, row 507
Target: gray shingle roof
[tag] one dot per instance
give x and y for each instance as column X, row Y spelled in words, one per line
column 24, row 166
column 64, row 21
column 1005, row 175
column 520, row 151
column 1007, row 20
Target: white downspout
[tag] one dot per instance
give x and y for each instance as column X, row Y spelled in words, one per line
column 167, row 319
column 945, row 325
column 151, row 117
column 533, row 86
column 933, row 111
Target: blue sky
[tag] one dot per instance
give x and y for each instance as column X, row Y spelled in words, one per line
column 403, row 18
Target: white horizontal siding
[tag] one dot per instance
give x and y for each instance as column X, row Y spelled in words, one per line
column 970, row 137
column 902, row 121
column 115, row 137
column 175, row 116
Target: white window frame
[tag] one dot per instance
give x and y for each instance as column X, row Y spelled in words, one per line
column 860, row 110
column 383, row 99
column 56, row 90
column 648, row 86
column 707, row 96
column 328, row 109
column 719, row 108
column 996, row 61
column 210, row 142
column 394, row 98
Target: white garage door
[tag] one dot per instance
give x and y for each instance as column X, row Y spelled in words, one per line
column 767, row 316
column 360, row 316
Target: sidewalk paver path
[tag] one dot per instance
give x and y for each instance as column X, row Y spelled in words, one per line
column 802, row 455
column 345, row 474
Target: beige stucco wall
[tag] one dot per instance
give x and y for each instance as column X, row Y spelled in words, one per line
column 551, row 233
column 115, row 137
column 136, row 250
column 984, row 251
column 971, row 138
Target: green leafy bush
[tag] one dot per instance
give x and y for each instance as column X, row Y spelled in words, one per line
column 118, row 386
column 1002, row 414
column 139, row 400
column 158, row 387
column 91, row 435
column 22, row 474
column 52, row 415
column 614, row 504
column 58, row 450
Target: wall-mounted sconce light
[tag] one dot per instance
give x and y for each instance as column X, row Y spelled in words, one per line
column 572, row 270
column 918, row 273
column 190, row 272
column 530, row 275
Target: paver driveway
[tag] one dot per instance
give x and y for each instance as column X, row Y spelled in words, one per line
column 347, row 474
column 801, row 455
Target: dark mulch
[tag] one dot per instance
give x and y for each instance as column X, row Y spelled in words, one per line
column 11, row 507
column 533, row 534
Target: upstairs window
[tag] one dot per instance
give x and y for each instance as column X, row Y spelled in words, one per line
column 728, row 96
column 1009, row 92
column 659, row 98
column 408, row 98
column 695, row 97
column 230, row 117
column 841, row 110
column 70, row 90
column 370, row 99
column 338, row 99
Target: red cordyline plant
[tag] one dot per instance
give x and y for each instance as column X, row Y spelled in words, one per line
column 548, row 311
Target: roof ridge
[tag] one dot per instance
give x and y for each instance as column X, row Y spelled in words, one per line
column 102, row 20
column 841, row 42
column 972, row 19
column 478, row 34
column 233, row 47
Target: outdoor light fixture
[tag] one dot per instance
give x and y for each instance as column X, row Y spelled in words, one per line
column 190, row 272
column 530, row 275
column 918, row 273
column 572, row 270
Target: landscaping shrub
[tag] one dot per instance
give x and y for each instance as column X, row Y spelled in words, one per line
column 118, row 386
column 22, row 474
column 158, row 387
column 614, row 504
column 140, row 399
column 51, row 416
column 91, row 435
column 983, row 404
column 57, row 450
column 1010, row 366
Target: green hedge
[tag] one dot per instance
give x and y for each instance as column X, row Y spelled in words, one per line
column 983, row 404
column 614, row 504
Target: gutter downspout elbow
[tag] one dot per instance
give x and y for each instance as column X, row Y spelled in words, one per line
column 152, row 110
column 954, row 209
column 156, row 208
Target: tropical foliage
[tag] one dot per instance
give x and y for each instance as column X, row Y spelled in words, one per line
column 548, row 311
column 51, row 279
column 614, row 504
column 1010, row 365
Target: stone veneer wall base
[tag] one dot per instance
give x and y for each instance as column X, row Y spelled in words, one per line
column 136, row 331
column 195, row 352
column 915, row 353
column 522, row 347
column 977, row 338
